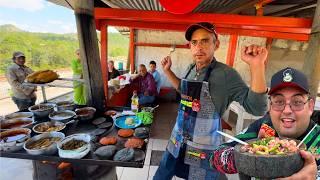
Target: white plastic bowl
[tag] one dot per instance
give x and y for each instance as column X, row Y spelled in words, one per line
column 76, row 153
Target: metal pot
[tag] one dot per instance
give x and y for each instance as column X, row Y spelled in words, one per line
column 19, row 115
column 85, row 114
column 65, row 105
column 50, row 150
column 16, row 123
column 51, row 124
column 42, row 110
column 16, row 142
column 62, row 116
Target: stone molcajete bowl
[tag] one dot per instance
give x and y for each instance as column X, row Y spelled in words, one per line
column 267, row 166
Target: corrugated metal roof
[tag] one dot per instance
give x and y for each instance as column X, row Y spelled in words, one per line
column 135, row 4
column 206, row 6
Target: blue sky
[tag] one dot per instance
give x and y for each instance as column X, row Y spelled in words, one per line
column 38, row 16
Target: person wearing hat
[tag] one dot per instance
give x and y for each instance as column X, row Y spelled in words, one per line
column 23, row 96
column 206, row 90
column 289, row 116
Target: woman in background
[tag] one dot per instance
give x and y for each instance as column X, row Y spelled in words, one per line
column 79, row 93
column 112, row 72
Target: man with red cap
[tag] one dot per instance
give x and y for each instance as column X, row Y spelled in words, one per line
column 206, row 91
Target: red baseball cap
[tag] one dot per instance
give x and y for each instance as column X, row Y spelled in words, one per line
column 204, row 25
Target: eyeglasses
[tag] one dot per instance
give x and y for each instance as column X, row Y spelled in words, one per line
column 202, row 42
column 278, row 102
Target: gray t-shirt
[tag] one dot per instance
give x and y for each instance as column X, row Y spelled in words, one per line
column 226, row 85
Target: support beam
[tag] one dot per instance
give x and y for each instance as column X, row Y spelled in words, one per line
column 311, row 66
column 89, row 53
column 281, row 28
column 132, row 50
column 186, row 46
column 293, row 9
column 165, row 17
column 238, row 9
column 260, row 5
column 104, row 58
column 299, row 34
column 233, row 42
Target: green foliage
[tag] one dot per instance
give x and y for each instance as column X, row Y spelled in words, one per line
column 47, row 50
column 118, row 45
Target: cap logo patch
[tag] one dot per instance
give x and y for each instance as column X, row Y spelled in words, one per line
column 287, row 75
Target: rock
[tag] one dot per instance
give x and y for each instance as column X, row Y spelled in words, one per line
column 142, row 132
column 105, row 125
column 125, row 154
column 139, row 155
column 99, row 120
column 106, row 152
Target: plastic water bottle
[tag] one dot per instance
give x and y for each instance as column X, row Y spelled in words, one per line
column 135, row 102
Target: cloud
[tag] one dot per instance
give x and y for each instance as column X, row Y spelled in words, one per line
column 2, row 22
column 70, row 28
column 27, row 5
column 55, row 22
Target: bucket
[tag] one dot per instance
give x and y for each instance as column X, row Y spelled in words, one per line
column 120, row 65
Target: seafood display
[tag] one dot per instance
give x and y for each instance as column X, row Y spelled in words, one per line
column 108, row 140
column 100, row 136
column 14, row 135
column 44, row 76
column 48, row 128
column 134, row 143
column 271, row 146
column 15, row 123
column 129, row 121
column 125, row 132
column 73, row 144
column 41, row 107
column 43, row 143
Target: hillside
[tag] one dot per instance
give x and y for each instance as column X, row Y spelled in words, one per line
column 9, row 28
column 48, row 50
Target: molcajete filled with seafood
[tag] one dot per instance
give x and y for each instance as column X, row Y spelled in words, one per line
column 269, row 158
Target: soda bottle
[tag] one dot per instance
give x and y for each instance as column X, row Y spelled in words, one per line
column 134, row 102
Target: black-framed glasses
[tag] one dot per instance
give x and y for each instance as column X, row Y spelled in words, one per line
column 297, row 102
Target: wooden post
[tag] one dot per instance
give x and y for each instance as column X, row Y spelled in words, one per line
column 311, row 66
column 104, row 57
column 89, row 53
column 131, row 50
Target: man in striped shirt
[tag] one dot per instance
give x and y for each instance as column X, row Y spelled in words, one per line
column 289, row 116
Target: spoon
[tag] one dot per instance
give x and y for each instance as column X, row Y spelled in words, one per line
column 154, row 108
column 307, row 135
column 172, row 49
column 233, row 138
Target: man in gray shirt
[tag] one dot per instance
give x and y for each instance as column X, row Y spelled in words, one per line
column 23, row 96
column 207, row 89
